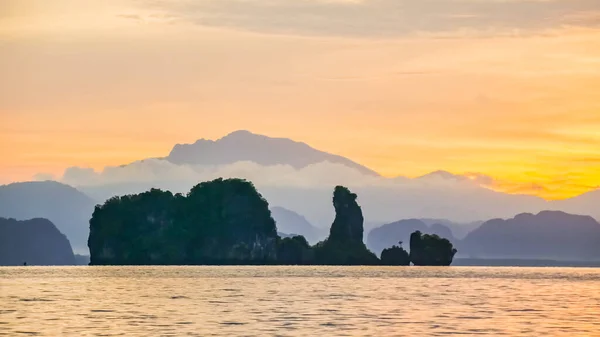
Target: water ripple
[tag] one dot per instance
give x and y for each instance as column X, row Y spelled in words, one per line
column 298, row 301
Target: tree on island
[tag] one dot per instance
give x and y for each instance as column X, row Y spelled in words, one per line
column 294, row 250
column 430, row 250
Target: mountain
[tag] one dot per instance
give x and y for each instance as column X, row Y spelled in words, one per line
column 459, row 230
column 586, row 203
column 35, row 242
column 441, row 175
column 65, row 206
column 296, row 176
column 547, row 235
column 291, row 223
column 246, row 146
column 390, row 234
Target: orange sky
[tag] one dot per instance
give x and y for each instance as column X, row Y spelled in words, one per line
column 405, row 90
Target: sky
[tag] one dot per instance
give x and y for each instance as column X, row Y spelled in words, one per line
column 506, row 89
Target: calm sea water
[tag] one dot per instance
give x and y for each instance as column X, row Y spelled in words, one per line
column 298, row 301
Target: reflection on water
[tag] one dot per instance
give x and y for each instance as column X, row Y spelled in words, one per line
column 298, row 301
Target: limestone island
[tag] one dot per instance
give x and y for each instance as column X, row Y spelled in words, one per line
column 227, row 222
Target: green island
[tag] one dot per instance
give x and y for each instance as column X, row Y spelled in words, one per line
column 228, row 222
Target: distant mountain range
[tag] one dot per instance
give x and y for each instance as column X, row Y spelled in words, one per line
column 459, row 230
column 65, row 206
column 270, row 164
column 546, row 235
column 33, row 242
column 292, row 223
column 391, row 234
column 289, row 174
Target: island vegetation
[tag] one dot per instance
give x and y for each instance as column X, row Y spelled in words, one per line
column 430, row 250
column 227, row 221
column 395, row 256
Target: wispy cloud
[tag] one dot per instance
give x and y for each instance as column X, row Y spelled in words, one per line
column 384, row 18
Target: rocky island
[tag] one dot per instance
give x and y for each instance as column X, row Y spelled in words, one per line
column 226, row 221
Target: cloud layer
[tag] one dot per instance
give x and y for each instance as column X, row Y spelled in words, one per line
column 385, row 18
column 158, row 170
column 308, row 190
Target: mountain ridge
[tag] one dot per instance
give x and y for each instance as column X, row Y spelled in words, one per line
column 243, row 145
column 65, row 206
column 547, row 234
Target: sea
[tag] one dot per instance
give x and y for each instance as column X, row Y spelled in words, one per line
column 299, row 301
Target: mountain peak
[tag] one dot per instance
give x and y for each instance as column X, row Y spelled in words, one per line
column 243, row 145
column 441, row 174
column 239, row 134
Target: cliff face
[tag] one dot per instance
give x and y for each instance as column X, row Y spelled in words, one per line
column 218, row 222
column 35, row 242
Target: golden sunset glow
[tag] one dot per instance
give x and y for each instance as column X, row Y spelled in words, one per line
column 97, row 83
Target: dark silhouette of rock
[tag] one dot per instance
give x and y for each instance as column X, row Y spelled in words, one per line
column 33, row 242
column 430, row 250
column 63, row 205
column 547, row 235
column 348, row 223
column 294, row 250
column 291, row 222
column 395, row 256
column 263, row 150
column 345, row 246
column 218, row 222
column 388, row 235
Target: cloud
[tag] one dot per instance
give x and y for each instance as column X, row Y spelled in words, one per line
column 158, row 170
column 480, row 178
column 441, row 194
column 162, row 173
column 133, row 17
column 510, row 187
column 308, row 190
column 383, row 18
column 322, row 176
